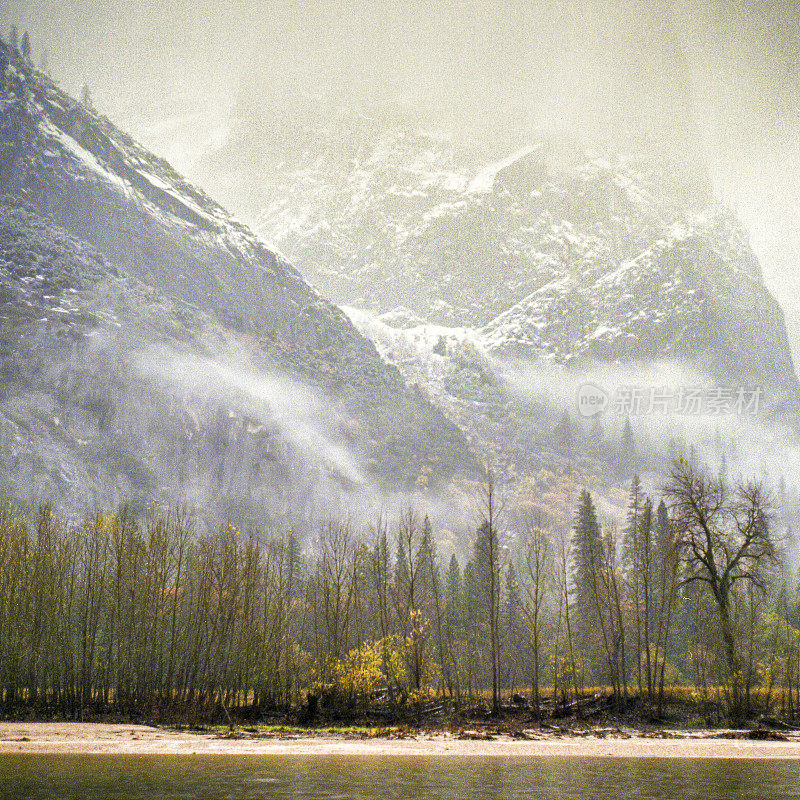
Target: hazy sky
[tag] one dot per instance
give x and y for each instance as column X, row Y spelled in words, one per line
column 170, row 70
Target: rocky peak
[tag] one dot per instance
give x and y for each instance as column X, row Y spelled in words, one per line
column 180, row 319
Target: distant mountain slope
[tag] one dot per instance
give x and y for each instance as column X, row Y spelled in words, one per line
column 552, row 254
column 695, row 295
column 404, row 217
column 139, row 292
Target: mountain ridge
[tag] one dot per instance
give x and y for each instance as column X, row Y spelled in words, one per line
column 74, row 182
column 546, row 250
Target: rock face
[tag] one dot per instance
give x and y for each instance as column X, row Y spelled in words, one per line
column 153, row 345
column 547, row 253
column 504, row 280
column 695, row 296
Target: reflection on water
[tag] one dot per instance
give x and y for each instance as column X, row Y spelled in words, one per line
column 391, row 778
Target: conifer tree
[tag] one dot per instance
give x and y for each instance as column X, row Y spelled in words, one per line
column 86, row 98
column 632, row 516
column 586, row 541
column 426, row 560
column 565, row 436
column 631, row 561
column 454, row 616
column 638, row 557
column 645, row 567
column 586, row 553
column 25, row 46
column 474, row 629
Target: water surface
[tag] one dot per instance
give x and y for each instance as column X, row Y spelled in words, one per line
column 212, row 777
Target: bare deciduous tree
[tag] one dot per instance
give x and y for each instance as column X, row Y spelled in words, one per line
column 724, row 536
column 487, row 551
column 538, row 568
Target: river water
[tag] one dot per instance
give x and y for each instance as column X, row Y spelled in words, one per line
column 113, row 777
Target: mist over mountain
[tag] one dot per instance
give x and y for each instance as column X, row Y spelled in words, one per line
column 534, row 184
column 491, row 270
column 502, row 284
column 550, row 252
column 155, row 347
column 485, row 382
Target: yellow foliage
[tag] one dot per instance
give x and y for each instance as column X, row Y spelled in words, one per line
column 359, row 673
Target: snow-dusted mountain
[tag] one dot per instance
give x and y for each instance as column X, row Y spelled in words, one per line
column 694, row 295
column 153, row 346
column 547, row 253
column 157, row 345
column 500, row 279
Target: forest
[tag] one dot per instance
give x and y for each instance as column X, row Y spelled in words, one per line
column 147, row 615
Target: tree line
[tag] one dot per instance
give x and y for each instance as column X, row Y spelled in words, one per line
column 147, row 615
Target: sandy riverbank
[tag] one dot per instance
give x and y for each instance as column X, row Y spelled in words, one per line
column 92, row 738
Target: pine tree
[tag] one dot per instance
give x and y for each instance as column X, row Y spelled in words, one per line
column 638, row 565
column 630, row 563
column 472, row 618
column 646, row 568
column 586, row 540
column 632, row 516
column 453, row 620
column 426, row 560
column 25, row 47
column 86, row 98
column 586, row 549
column 564, row 433
column 13, row 37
